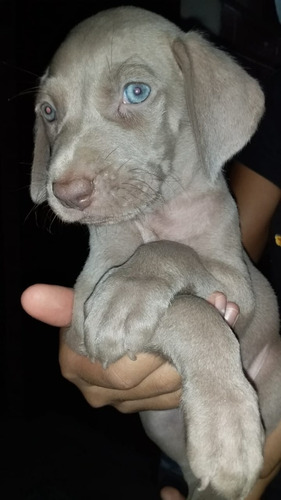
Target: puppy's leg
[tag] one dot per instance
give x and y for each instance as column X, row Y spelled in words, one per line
column 265, row 371
column 224, row 435
column 263, row 339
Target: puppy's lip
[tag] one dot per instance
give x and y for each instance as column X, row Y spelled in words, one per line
column 89, row 217
column 71, row 215
column 106, row 219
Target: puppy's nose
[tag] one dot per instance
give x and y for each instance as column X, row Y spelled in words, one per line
column 76, row 193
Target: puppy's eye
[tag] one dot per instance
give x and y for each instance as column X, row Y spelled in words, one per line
column 48, row 112
column 134, row 93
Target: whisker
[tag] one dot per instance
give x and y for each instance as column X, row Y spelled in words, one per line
column 128, row 188
column 25, row 163
column 176, row 179
column 23, row 70
column 111, row 152
column 144, row 182
column 147, row 172
column 123, row 165
column 145, row 196
column 32, row 90
column 169, row 178
column 33, row 209
column 156, row 193
column 137, row 209
column 54, row 217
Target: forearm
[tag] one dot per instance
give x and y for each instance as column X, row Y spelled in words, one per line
column 176, row 264
column 257, row 199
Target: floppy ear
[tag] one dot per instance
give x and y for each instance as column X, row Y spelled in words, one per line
column 41, row 158
column 224, row 102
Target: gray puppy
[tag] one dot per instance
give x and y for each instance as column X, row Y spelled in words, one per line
column 135, row 120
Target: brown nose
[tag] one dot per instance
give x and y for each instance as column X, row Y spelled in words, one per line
column 76, row 193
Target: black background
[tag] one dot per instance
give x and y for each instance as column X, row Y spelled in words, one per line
column 55, row 445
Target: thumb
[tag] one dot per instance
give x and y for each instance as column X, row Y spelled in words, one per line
column 51, row 304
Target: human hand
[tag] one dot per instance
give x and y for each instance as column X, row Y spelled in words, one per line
column 149, row 383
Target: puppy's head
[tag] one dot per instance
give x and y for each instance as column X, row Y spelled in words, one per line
column 128, row 109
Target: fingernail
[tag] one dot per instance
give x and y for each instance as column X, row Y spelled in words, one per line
column 231, row 316
column 220, row 302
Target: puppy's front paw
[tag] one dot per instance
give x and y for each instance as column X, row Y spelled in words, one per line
column 225, row 441
column 74, row 334
column 121, row 315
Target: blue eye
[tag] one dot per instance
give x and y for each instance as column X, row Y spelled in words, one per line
column 134, row 93
column 48, row 111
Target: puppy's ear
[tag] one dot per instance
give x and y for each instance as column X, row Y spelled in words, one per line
column 224, row 102
column 41, row 158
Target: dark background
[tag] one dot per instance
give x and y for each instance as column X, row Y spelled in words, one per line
column 54, row 445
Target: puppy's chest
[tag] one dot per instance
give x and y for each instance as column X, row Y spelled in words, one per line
column 185, row 220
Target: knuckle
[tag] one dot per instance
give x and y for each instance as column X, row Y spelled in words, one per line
column 64, row 368
column 121, row 385
column 124, row 407
column 95, row 399
column 118, row 382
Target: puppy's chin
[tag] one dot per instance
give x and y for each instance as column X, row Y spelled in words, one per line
column 96, row 215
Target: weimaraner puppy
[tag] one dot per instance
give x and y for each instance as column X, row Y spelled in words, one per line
column 135, row 120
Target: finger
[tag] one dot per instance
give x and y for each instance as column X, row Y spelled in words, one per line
column 123, row 374
column 80, row 370
column 157, row 403
column 51, row 304
column 231, row 313
column 129, row 374
column 98, row 397
column 92, row 377
column 229, row 310
column 219, row 301
column 162, row 382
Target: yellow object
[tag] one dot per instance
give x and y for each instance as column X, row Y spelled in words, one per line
column 278, row 239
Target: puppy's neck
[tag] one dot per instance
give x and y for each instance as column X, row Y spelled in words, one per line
column 191, row 217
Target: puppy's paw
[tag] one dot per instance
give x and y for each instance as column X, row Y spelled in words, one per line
column 74, row 334
column 121, row 315
column 225, row 441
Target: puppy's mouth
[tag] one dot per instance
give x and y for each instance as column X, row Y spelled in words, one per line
column 103, row 200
